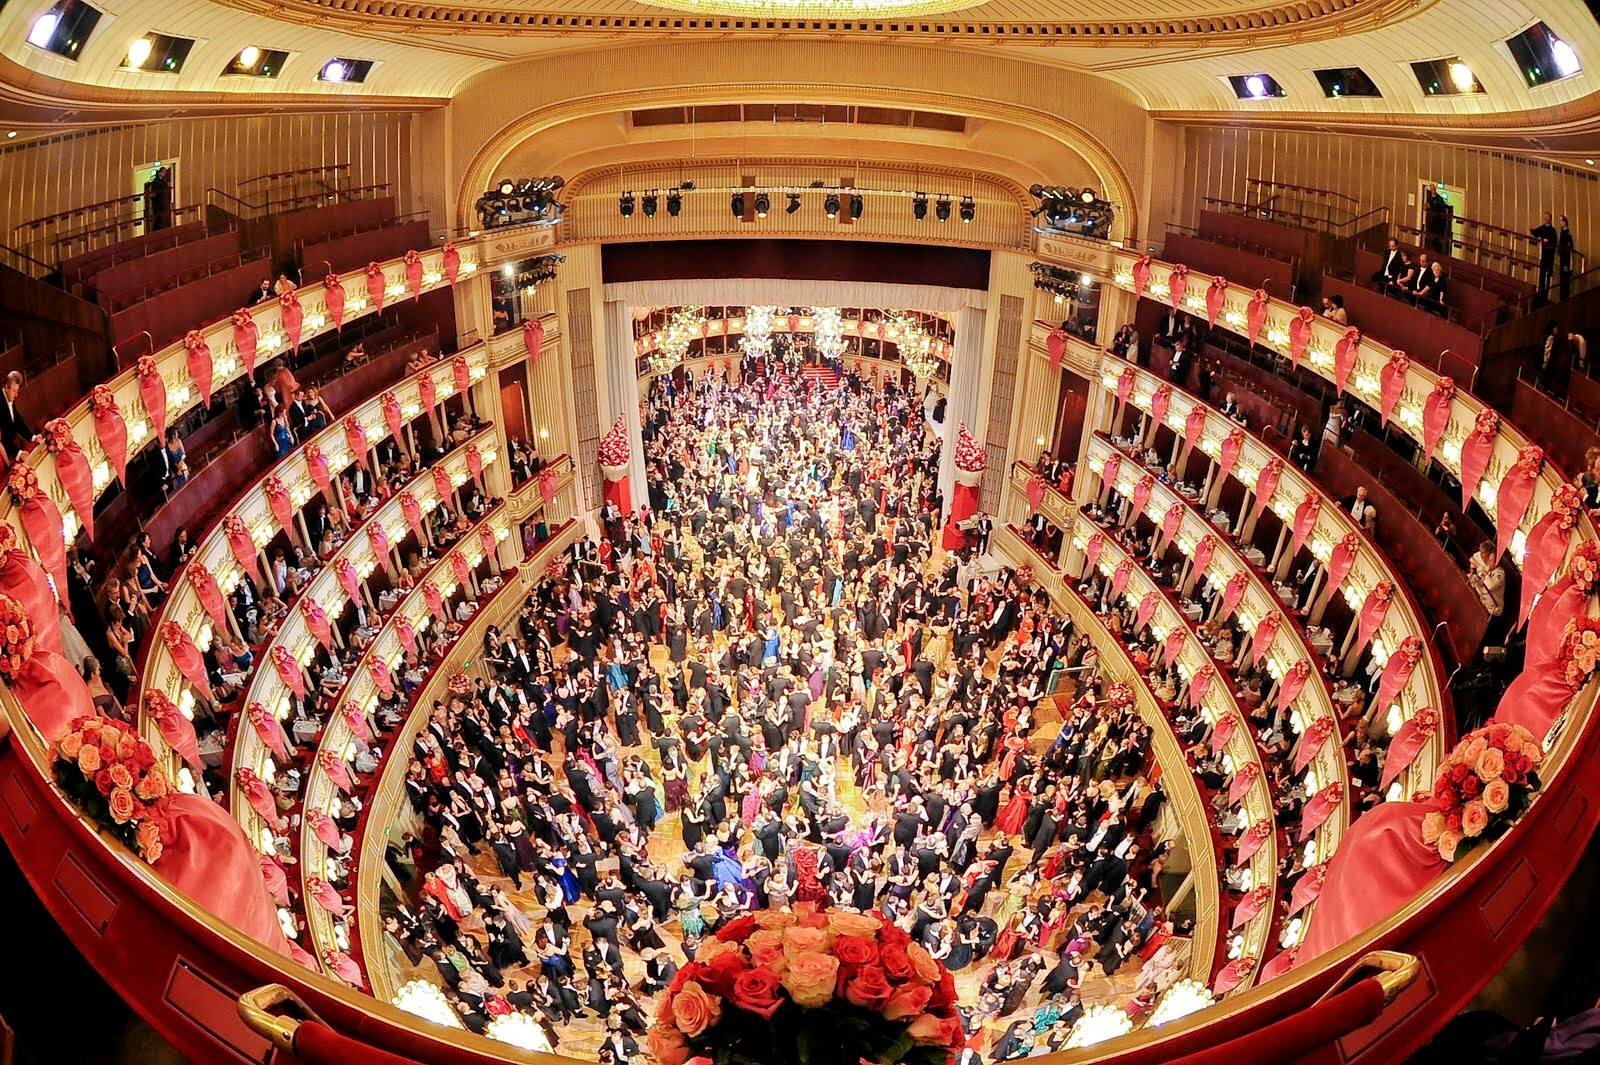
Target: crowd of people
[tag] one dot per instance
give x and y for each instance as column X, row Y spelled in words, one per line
column 768, row 688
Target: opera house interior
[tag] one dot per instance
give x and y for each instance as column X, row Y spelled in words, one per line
column 799, row 532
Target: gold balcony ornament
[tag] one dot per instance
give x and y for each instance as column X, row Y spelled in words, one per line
column 823, row 9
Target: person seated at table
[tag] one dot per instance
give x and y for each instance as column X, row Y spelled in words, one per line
column 1430, row 289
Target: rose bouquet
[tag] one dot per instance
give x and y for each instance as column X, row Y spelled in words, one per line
column 1579, row 652
column 111, row 775
column 810, row 987
column 1484, row 786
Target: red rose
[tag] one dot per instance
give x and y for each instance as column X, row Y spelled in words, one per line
column 896, row 962
column 1452, row 820
column 893, row 933
column 102, row 782
column 1471, row 788
column 869, row 988
column 683, row 976
column 756, row 991
column 737, row 930
column 944, row 993
column 720, row 972
column 855, row 951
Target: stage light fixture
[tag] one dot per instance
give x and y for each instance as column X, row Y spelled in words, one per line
column 139, row 51
column 248, row 55
column 736, row 205
column 830, row 205
column 858, row 206
column 763, row 205
column 969, row 210
column 919, row 205
column 794, row 203
column 1461, row 77
column 507, row 186
column 674, row 202
column 649, row 204
column 625, row 205
column 941, row 210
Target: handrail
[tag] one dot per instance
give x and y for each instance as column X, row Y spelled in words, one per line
column 1274, row 183
column 328, row 168
column 61, row 241
column 215, row 266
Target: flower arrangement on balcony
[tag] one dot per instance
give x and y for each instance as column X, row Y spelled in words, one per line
column 1483, row 788
column 806, row 988
column 111, row 775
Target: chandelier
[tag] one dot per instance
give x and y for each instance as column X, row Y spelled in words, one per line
column 520, row 1030
column 827, row 326
column 684, row 326
column 826, row 9
column 915, row 344
column 757, row 339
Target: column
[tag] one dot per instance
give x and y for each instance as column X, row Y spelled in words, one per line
column 622, row 388
column 966, row 379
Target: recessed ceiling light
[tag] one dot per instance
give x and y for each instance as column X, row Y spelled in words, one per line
column 1461, row 76
column 334, row 71
column 43, row 28
column 248, row 56
column 12, row 133
column 1589, row 161
column 138, row 51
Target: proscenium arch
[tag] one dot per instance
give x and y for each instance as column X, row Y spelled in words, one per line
column 485, row 164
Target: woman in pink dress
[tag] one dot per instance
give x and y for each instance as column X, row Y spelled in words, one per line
column 1015, row 814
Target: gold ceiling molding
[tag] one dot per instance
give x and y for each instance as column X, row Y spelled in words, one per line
column 487, row 159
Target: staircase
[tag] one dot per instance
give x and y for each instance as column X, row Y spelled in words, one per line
column 819, row 376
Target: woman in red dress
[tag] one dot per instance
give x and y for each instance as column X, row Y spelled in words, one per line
column 1015, row 813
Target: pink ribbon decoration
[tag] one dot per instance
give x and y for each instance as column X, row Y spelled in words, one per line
column 317, row 466
column 322, row 891
column 452, row 262
column 276, row 881
column 1141, row 275
column 413, row 514
column 462, row 374
column 1547, row 546
column 1231, row 446
column 1305, row 520
column 428, row 390
column 1320, row 808
column 1392, row 382
column 381, row 678
column 1170, row 521
column 1315, row 736
column 199, row 360
column 435, row 600
column 1252, row 840
column 1216, row 294
column 486, row 538
column 42, row 522
column 333, row 295
column 392, row 416
column 1091, row 550
column 1475, row 451
column 1232, row 975
column 1141, row 493
column 1372, row 613
column 271, row 732
column 186, row 657
column 259, row 796
column 1125, row 384
column 355, row 437
column 547, row 484
column 376, row 286
column 209, row 593
column 1514, row 495
column 316, row 620
column 1345, row 350
column 246, row 336
column 407, row 633
column 1397, row 671
column 1242, row 781
column 1119, row 578
column 289, row 671
column 110, row 429
column 1266, row 632
column 1201, row 684
column 413, row 260
column 1250, row 905
column 1436, row 414
column 458, row 566
column 279, row 503
column 1178, row 284
column 343, row 966
column 1159, row 402
column 1300, row 334
column 1034, row 492
column 1407, row 743
column 441, row 484
column 1233, row 592
column 1204, row 552
column 1146, row 610
column 1113, row 465
column 474, row 463
column 1226, row 726
column 378, row 540
column 1173, row 645
column 337, row 771
column 348, row 580
column 1307, row 888
column 1294, row 682
column 1342, row 559
column 1255, row 314
column 324, row 828
column 153, row 392
column 1194, row 425
column 72, row 470
column 1267, row 484
column 176, row 730
column 293, row 316
column 1056, row 345
column 241, row 545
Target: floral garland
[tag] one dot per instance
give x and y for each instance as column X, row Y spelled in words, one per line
column 1025, row 575
column 146, row 366
column 1482, row 788
column 1585, row 566
column 460, row 683
column 112, row 776
column 16, row 638
column 1579, row 652
column 23, row 482
column 1119, row 695
column 58, row 435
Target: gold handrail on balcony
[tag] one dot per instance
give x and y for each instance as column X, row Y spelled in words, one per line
column 257, row 1010
column 1396, row 972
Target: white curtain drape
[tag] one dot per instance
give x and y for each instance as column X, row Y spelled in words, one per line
column 622, row 390
column 966, row 378
column 776, row 292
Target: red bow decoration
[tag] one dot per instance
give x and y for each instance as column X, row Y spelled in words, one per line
column 1307, row 888
column 1125, row 384
column 186, row 657
column 355, row 437
column 1242, row 780
column 547, row 483
column 1392, row 382
column 1294, row 682
column 1254, row 836
column 1056, row 345
column 381, row 678
column 246, row 335
column 259, row 796
column 1146, row 610
column 1141, row 275
column 317, row 466
column 1436, row 414
column 1372, row 613
column 153, row 391
column 435, row 600
column 1345, row 351
column 333, row 295
column 452, row 262
column 1342, row 558
column 1170, row 522
column 474, row 463
column 1194, row 425
column 110, row 429
column 209, row 593
column 325, row 830
column 1091, row 551
column 1232, row 975
column 1231, row 446
column 533, row 338
column 270, row 731
column 1305, row 520
column 1547, row 546
column 1250, row 905
column 1204, row 552
column 1141, row 493
column 413, row 260
column 1159, row 402
column 289, row 671
column 241, row 545
column 337, row 772
column 199, row 360
column 1201, row 684
column 441, row 484
column 279, row 503
column 378, row 540
column 1233, row 591
column 393, row 417
column 1255, row 315
column 1119, row 578
column 1514, row 495
column 1397, row 671
column 1475, row 451
column 175, row 729
column 293, row 315
column 42, row 522
column 348, row 579
column 413, row 514
column 462, row 374
column 343, row 966
column 428, row 390
column 1320, row 808
column 1216, row 294
column 1178, row 284
column 1035, row 492
column 1300, row 334
column 317, row 621
column 1225, row 727
column 326, row 896
column 458, row 565
column 1266, row 632
column 72, row 470
column 1113, row 465
column 276, row 881
column 1310, row 743
column 376, row 286
column 407, row 633
column 1173, row 645
column 1267, row 484
column 486, row 538
column 1407, row 743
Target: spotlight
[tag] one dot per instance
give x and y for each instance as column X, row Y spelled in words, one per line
column 763, row 204
column 1256, row 85
column 830, row 205
column 625, row 205
column 334, row 71
column 507, row 186
column 1087, row 195
column 857, row 206
column 44, row 27
column 138, row 51
column 969, row 210
column 649, row 204
column 736, row 204
column 1461, row 76
column 941, row 210
column 248, row 55
column 794, row 203
column 674, row 202
column 919, row 205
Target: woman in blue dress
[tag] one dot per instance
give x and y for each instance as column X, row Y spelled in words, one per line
column 565, row 877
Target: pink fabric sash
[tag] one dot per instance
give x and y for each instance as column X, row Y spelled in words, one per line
column 210, row 860
column 1391, row 382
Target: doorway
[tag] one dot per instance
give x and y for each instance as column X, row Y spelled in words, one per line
column 156, row 186
column 1441, row 214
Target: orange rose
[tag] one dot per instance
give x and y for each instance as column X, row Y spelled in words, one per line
column 713, row 949
column 122, row 805
column 1474, row 819
column 148, row 836
column 802, row 940
column 152, row 786
column 667, row 1046
column 809, row 979
column 907, row 1002
column 766, row 950
column 774, row 919
column 1432, row 826
column 120, row 777
column 1496, row 796
column 923, row 967
column 1449, row 840
column 693, row 1011
column 1489, row 764
column 931, row 1030
column 89, row 759
column 1533, row 752
column 70, row 745
column 845, row 923
column 868, row 989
